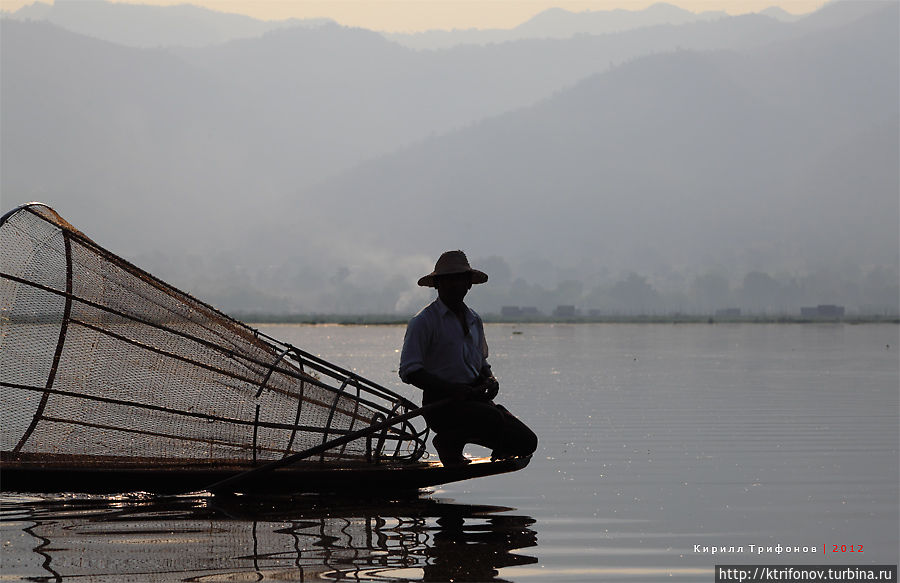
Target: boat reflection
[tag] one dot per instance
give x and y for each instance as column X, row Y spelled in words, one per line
column 203, row 539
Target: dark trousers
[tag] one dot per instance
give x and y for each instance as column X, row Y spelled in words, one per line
column 482, row 423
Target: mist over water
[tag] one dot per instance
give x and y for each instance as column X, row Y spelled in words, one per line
column 683, row 163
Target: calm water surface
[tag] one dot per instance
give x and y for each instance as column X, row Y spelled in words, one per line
column 656, row 441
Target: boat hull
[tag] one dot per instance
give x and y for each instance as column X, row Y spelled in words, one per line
column 366, row 479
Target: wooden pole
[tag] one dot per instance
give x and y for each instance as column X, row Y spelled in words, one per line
column 230, row 482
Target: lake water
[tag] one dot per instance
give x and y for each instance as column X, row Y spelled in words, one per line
column 659, row 444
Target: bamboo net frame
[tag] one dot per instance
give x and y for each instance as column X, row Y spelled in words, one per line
column 101, row 363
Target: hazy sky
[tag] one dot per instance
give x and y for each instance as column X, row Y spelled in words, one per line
column 413, row 15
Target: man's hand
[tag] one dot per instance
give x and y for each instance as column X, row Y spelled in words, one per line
column 485, row 389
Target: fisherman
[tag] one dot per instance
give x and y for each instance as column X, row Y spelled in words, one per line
column 445, row 355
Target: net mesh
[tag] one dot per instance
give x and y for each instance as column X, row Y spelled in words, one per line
column 101, row 362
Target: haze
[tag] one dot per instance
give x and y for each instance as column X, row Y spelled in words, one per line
column 418, row 16
column 641, row 161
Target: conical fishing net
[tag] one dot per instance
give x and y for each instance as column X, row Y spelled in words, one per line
column 101, row 363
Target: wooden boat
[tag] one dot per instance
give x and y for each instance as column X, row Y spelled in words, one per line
column 29, row 474
column 113, row 381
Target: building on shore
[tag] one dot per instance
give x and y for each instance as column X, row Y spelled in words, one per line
column 519, row 312
column 728, row 313
column 823, row 311
column 565, row 311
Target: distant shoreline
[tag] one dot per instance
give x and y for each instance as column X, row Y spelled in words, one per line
column 392, row 320
column 254, row 318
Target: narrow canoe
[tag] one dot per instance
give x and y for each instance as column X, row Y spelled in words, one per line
column 23, row 473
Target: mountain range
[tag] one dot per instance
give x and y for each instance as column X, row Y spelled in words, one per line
column 314, row 167
column 185, row 25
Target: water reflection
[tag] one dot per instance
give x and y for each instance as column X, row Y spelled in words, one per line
column 202, row 539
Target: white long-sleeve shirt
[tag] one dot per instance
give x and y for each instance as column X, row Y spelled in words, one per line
column 435, row 341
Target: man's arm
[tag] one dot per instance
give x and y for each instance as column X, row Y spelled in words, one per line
column 486, row 385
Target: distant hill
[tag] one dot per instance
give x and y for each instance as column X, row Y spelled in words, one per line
column 118, row 135
column 147, row 26
column 185, row 25
column 784, row 157
column 311, row 165
column 780, row 14
column 559, row 23
column 240, row 124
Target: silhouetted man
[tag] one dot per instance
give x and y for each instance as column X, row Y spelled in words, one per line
column 445, row 355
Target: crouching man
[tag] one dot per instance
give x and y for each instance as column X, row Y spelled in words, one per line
column 445, row 355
